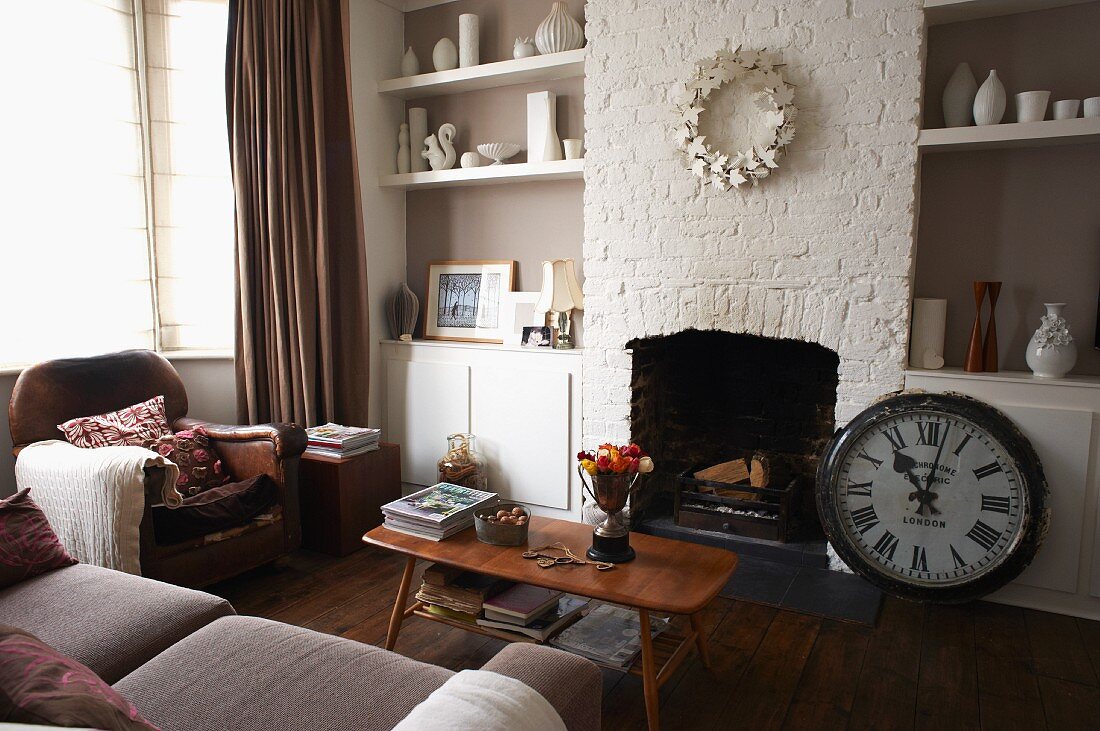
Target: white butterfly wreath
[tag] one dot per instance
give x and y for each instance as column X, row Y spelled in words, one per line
column 775, row 99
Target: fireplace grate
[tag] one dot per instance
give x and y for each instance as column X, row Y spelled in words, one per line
column 734, row 508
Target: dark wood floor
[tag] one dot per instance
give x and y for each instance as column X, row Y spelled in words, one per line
column 979, row 666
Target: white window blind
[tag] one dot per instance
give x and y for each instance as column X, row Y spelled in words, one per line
column 102, row 237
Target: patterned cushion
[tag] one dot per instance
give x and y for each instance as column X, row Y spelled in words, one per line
column 39, row 685
column 28, row 546
column 191, row 450
column 129, row 427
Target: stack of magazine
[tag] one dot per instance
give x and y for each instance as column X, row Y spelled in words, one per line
column 437, row 512
column 334, row 440
column 608, row 636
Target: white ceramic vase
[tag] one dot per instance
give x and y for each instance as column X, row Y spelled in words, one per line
column 989, row 103
column 559, row 32
column 1031, row 106
column 524, row 48
column 1051, row 361
column 543, row 144
column 404, row 155
column 469, row 53
column 418, row 132
column 410, row 64
column 958, row 97
column 445, row 55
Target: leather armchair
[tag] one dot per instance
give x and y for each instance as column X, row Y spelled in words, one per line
column 50, row 393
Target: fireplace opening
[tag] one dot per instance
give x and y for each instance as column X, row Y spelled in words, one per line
column 757, row 410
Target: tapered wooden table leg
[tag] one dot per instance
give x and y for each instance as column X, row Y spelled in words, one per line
column 399, row 604
column 649, row 674
column 700, row 638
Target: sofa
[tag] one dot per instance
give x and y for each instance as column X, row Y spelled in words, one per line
column 187, row 661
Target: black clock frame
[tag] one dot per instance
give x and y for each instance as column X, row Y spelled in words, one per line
column 1035, row 521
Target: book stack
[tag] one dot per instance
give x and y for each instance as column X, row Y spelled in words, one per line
column 608, row 636
column 457, row 595
column 334, row 440
column 531, row 611
column 436, row 512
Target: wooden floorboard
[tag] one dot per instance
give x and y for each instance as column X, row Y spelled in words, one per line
column 973, row 666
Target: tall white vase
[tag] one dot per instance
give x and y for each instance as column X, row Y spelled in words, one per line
column 559, row 32
column 989, row 103
column 543, row 144
column 926, row 335
column 958, row 97
column 469, row 53
column 1047, row 359
column 418, row 132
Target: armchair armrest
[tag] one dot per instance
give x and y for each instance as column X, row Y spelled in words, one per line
column 289, row 440
column 572, row 684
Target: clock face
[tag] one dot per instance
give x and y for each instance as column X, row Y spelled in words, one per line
column 931, row 498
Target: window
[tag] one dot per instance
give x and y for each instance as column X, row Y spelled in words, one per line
column 116, row 203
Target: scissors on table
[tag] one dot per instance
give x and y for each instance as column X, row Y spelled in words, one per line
column 547, row 561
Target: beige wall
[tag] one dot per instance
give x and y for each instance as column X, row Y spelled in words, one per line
column 1028, row 217
column 526, row 223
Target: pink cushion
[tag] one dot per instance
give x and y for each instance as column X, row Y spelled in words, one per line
column 131, row 426
column 200, row 466
column 39, row 685
column 28, row 546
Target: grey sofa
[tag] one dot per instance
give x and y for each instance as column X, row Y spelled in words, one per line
column 188, row 661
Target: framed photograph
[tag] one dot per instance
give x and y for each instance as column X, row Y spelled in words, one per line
column 518, row 312
column 536, row 337
column 465, row 300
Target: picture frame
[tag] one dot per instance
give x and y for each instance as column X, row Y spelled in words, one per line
column 465, row 299
column 537, row 337
column 518, row 312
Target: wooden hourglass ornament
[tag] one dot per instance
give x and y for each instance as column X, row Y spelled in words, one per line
column 989, row 350
column 975, row 359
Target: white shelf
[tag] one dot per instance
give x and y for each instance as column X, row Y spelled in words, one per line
column 564, row 65
column 1005, row 377
column 480, row 346
column 937, row 12
column 486, row 175
column 1017, row 134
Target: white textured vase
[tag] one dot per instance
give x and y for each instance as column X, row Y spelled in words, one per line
column 958, row 97
column 1051, row 361
column 418, row 131
column 469, row 51
column 410, row 64
column 559, row 32
column 445, row 55
column 989, row 103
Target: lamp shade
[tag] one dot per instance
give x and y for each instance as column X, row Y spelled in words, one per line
column 560, row 290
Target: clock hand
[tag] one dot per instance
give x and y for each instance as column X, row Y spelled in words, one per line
column 939, row 453
column 903, row 463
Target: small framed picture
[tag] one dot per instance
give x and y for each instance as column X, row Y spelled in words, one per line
column 465, row 300
column 536, row 337
column 518, row 312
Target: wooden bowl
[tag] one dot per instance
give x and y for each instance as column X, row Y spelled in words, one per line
column 501, row 534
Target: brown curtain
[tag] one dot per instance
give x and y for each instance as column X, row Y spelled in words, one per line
column 302, row 341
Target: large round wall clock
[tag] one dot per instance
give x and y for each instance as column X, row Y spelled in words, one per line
column 933, row 497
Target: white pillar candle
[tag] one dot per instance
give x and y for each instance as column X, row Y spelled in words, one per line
column 468, row 41
column 418, row 132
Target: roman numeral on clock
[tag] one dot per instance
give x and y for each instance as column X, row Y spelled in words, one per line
column 886, row 545
column 959, row 563
column 961, row 444
column 893, row 435
column 930, row 432
column 876, row 462
column 920, row 559
column 983, row 535
column 995, row 504
column 862, row 489
column 990, row 469
column 865, row 519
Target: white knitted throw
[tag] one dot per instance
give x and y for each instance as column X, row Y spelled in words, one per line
column 94, row 498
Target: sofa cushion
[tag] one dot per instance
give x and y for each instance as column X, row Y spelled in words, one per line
column 190, row 450
column 247, row 673
column 214, row 510
column 28, row 546
column 128, row 427
column 110, row 621
column 40, row 685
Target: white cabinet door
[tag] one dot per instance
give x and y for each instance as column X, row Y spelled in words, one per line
column 425, row 402
column 521, row 419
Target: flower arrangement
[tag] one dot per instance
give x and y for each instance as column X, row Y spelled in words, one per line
column 1052, row 333
column 612, row 460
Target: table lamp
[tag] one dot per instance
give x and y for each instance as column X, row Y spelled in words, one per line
column 561, row 294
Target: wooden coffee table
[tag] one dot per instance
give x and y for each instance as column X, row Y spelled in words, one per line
column 667, row 577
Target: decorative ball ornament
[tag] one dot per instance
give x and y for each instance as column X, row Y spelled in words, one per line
column 774, row 99
column 933, row 496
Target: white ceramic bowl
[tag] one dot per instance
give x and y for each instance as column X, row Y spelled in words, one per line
column 498, row 152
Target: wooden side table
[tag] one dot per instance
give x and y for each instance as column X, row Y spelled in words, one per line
column 342, row 497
